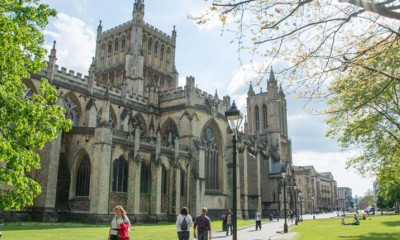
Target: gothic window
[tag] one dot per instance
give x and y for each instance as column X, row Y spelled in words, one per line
column 257, row 117
column 265, row 116
column 137, row 122
column 149, row 45
column 183, row 183
column 211, row 159
column 164, row 180
column 156, row 49
column 111, row 119
column 170, row 132
column 145, row 179
column 83, row 177
column 28, row 93
column 116, row 45
column 168, row 58
column 162, row 52
column 109, row 48
column 72, row 111
column 123, row 43
column 103, row 49
column 120, row 175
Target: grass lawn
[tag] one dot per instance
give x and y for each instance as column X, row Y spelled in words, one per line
column 74, row 231
column 386, row 227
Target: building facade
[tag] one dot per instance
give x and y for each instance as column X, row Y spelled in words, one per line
column 345, row 198
column 140, row 141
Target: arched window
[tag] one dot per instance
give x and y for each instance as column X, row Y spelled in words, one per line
column 170, row 132
column 164, row 180
column 28, row 93
column 111, row 119
column 145, row 178
column 137, row 122
column 116, row 45
column 162, row 52
column 183, row 183
column 156, row 49
column 72, row 111
column 83, row 177
column 120, row 175
column 123, row 43
column 265, row 116
column 109, row 48
column 257, row 117
column 211, row 159
column 150, row 45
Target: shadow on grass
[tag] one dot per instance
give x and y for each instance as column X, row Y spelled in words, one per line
column 374, row 236
column 392, row 224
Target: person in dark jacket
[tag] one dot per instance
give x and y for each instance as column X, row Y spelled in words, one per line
column 228, row 222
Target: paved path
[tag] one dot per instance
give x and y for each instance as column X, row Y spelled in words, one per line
column 270, row 230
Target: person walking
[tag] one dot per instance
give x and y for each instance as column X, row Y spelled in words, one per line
column 119, row 219
column 183, row 224
column 278, row 215
column 228, row 222
column 258, row 219
column 203, row 226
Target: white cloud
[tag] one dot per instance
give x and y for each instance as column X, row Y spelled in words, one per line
column 246, row 74
column 76, row 42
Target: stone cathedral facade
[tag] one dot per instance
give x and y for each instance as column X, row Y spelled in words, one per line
column 140, row 141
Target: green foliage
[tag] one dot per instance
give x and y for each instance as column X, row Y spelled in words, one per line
column 26, row 124
column 365, row 114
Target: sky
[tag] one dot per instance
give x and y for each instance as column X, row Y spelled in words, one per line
column 204, row 52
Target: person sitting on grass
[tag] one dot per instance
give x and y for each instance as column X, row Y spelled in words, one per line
column 343, row 222
column 356, row 221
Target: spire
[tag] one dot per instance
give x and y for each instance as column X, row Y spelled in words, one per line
column 138, row 10
column 174, row 34
column 251, row 91
column 216, row 94
column 272, row 76
column 99, row 28
column 52, row 62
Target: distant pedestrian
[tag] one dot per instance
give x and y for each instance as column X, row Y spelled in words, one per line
column 278, row 215
column 258, row 219
column 203, row 226
column 228, row 222
column 183, row 224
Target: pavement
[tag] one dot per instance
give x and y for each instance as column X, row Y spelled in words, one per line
column 270, row 230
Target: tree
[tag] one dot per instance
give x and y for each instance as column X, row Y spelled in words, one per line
column 317, row 40
column 26, row 124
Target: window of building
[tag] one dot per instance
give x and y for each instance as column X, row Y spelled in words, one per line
column 111, row 120
column 183, row 183
column 170, row 132
column 109, row 48
column 83, row 177
column 162, row 52
column 72, row 111
column 116, row 45
column 28, row 93
column 257, row 118
column 265, row 116
column 156, row 49
column 211, row 159
column 123, row 43
column 120, row 175
column 145, row 178
column 164, row 180
column 149, row 46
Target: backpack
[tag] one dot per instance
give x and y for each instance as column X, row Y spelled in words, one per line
column 184, row 224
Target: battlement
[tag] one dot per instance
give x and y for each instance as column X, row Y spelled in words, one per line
column 116, row 30
column 171, row 95
column 70, row 75
column 157, row 33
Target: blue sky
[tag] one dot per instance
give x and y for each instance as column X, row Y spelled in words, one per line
column 203, row 52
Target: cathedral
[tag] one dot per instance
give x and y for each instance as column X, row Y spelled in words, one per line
column 141, row 141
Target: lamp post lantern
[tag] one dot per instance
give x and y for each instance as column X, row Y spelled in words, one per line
column 285, row 226
column 234, row 118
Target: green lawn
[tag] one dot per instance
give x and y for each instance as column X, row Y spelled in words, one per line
column 386, row 227
column 72, row 231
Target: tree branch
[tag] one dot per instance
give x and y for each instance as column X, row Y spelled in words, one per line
column 374, row 7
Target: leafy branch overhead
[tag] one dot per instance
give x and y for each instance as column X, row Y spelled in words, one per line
column 26, row 123
column 313, row 41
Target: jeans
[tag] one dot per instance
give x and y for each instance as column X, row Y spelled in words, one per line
column 183, row 235
column 258, row 225
column 227, row 229
column 202, row 235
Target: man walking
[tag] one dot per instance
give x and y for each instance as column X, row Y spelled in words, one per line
column 203, row 226
column 258, row 219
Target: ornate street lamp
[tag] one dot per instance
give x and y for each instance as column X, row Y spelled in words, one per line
column 234, row 118
column 285, row 226
column 295, row 203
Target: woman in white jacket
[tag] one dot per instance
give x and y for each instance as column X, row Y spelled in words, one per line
column 183, row 224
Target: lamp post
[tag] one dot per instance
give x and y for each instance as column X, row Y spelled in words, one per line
column 234, row 118
column 295, row 203
column 313, row 211
column 285, row 226
column 301, row 207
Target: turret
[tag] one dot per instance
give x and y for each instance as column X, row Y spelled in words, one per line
column 138, row 11
column 250, row 92
column 52, row 63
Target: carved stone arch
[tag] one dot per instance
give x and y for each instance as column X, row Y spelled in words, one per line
column 72, row 105
column 211, row 140
column 137, row 121
column 169, row 131
column 80, row 174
